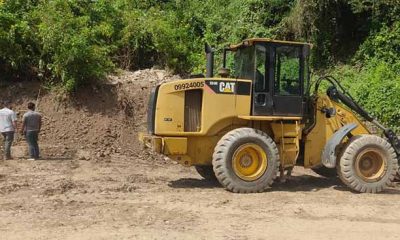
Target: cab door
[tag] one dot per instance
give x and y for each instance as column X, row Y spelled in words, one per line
column 288, row 80
column 262, row 94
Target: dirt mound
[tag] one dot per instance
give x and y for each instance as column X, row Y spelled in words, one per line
column 97, row 121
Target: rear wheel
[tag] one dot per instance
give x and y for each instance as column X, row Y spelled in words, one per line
column 246, row 160
column 368, row 164
column 206, row 172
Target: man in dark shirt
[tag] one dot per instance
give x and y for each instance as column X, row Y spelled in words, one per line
column 32, row 123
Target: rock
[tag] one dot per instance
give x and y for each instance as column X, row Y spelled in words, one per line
column 160, row 75
column 83, row 155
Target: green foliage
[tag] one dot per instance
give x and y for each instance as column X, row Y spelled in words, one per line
column 380, row 93
column 384, row 45
column 74, row 41
column 18, row 43
column 77, row 42
column 376, row 87
column 375, row 78
column 382, row 12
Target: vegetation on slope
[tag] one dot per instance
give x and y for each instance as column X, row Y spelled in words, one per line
column 76, row 42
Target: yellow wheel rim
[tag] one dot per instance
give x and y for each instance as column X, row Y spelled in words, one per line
column 249, row 162
column 370, row 165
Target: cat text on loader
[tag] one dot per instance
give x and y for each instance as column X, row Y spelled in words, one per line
column 245, row 127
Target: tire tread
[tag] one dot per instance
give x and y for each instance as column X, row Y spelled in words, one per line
column 347, row 173
column 220, row 155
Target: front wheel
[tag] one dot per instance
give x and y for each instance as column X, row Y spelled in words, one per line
column 246, row 160
column 368, row 164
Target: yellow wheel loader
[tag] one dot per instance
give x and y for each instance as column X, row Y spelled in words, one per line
column 250, row 125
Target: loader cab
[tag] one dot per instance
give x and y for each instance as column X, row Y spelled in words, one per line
column 279, row 72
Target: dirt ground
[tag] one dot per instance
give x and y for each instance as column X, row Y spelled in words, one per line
column 95, row 182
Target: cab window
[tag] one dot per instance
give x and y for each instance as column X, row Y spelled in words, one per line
column 287, row 71
column 244, row 63
column 261, row 82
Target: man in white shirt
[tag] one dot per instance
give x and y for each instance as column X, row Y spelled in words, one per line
column 8, row 125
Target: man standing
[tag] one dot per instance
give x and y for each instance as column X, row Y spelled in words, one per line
column 8, row 125
column 32, row 123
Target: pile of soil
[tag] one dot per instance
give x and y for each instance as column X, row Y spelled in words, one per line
column 96, row 121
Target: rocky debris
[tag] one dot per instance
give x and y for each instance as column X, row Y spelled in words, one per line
column 13, row 187
column 126, row 187
column 60, row 187
column 154, row 76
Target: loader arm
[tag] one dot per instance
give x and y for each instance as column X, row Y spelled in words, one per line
column 347, row 100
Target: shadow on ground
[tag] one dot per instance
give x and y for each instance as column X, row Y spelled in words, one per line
column 303, row 183
column 194, row 183
column 294, row 183
column 306, row 183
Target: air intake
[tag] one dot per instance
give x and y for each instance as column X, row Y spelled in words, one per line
column 193, row 102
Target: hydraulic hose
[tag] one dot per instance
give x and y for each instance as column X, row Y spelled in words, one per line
column 334, row 94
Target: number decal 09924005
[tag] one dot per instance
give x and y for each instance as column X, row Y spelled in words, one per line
column 184, row 86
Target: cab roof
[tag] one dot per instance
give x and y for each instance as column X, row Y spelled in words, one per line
column 252, row 41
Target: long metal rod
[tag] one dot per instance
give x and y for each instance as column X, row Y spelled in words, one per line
column 210, row 61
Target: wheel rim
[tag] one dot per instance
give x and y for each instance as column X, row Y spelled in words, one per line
column 249, row 162
column 370, row 165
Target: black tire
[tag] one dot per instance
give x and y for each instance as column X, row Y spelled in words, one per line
column 367, row 164
column 223, row 160
column 206, row 172
column 325, row 172
column 397, row 178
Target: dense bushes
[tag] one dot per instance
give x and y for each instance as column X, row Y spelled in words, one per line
column 75, row 42
column 374, row 79
column 376, row 87
column 19, row 48
column 54, row 38
column 378, row 90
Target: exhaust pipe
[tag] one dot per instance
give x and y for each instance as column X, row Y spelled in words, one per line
column 210, row 61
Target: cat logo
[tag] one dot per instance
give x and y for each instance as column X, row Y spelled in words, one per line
column 227, row 87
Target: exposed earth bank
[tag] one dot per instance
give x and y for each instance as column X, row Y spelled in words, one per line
column 95, row 182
